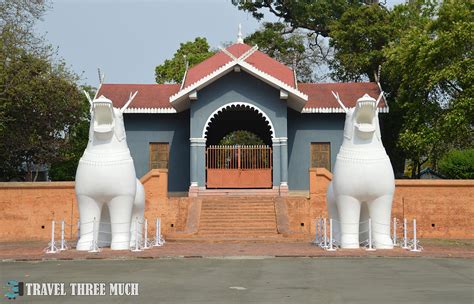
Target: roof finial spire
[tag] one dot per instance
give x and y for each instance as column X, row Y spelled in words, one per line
column 239, row 35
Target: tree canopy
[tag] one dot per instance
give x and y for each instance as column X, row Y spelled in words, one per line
column 39, row 97
column 458, row 164
column 432, row 63
column 289, row 47
column 189, row 53
column 241, row 137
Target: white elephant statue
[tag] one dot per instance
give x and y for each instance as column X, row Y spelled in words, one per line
column 363, row 182
column 109, row 195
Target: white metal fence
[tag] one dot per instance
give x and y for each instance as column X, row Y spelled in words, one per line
column 138, row 235
column 327, row 237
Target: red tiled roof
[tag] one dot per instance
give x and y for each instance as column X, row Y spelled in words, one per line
column 258, row 59
column 320, row 96
column 267, row 64
column 149, row 95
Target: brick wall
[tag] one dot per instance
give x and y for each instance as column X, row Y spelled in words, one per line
column 442, row 208
column 27, row 209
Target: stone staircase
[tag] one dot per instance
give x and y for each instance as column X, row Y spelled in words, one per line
column 238, row 218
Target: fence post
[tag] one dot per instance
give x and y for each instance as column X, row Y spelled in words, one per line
column 331, row 248
column 394, row 231
column 95, row 243
column 325, row 234
column 370, row 236
column 136, row 249
column 405, row 239
column 52, row 248
column 415, row 241
column 145, row 244
column 63, row 245
column 158, row 240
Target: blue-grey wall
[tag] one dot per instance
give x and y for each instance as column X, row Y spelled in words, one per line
column 176, row 129
column 237, row 87
column 142, row 129
column 303, row 129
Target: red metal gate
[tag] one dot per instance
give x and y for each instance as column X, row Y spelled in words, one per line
column 239, row 167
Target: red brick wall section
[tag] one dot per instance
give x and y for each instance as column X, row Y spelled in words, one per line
column 27, row 209
column 442, row 208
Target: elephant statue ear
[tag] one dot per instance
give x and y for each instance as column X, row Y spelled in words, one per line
column 377, row 127
column 119, row 128
column 377, row 124
column 348, row 124
column 118, row 113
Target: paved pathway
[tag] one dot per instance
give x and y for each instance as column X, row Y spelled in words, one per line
column 34, row 251
column 260, row 280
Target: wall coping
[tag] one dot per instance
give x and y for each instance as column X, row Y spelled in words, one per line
column 435, row 183
column 411, row 182
column 70, row 184
column 319, row 171
column 153, row 173
column 322, row 172
column 32, row 185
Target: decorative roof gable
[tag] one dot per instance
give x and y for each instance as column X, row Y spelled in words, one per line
column 259, row 60
column 240, row 56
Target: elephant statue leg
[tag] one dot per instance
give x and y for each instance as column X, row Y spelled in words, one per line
column 379, row 210
column 364, row 222
column 349, row 214
column 333, row 214
column 120, row 208
column 138, row 212
column 105, row 236
column 89, row 210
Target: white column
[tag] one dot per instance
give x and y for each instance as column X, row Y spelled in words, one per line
column 276, row 163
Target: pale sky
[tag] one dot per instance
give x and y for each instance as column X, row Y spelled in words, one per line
column 126, row 39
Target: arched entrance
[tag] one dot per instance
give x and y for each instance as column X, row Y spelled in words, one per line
column 241, row 165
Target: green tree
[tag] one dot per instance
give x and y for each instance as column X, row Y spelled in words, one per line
column 40, row 101
column 241, row 137
column 358, row 38
column 192, row 52
column 314, row 16
column 289, row 47
column 458, row 164
column 77, row 138
column 433, row 66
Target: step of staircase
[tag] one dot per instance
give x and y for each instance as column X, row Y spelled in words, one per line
column 237, row 219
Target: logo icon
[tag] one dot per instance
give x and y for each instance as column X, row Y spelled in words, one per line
column 14, row 289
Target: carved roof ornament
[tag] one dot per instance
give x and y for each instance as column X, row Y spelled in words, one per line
column 239, row 35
